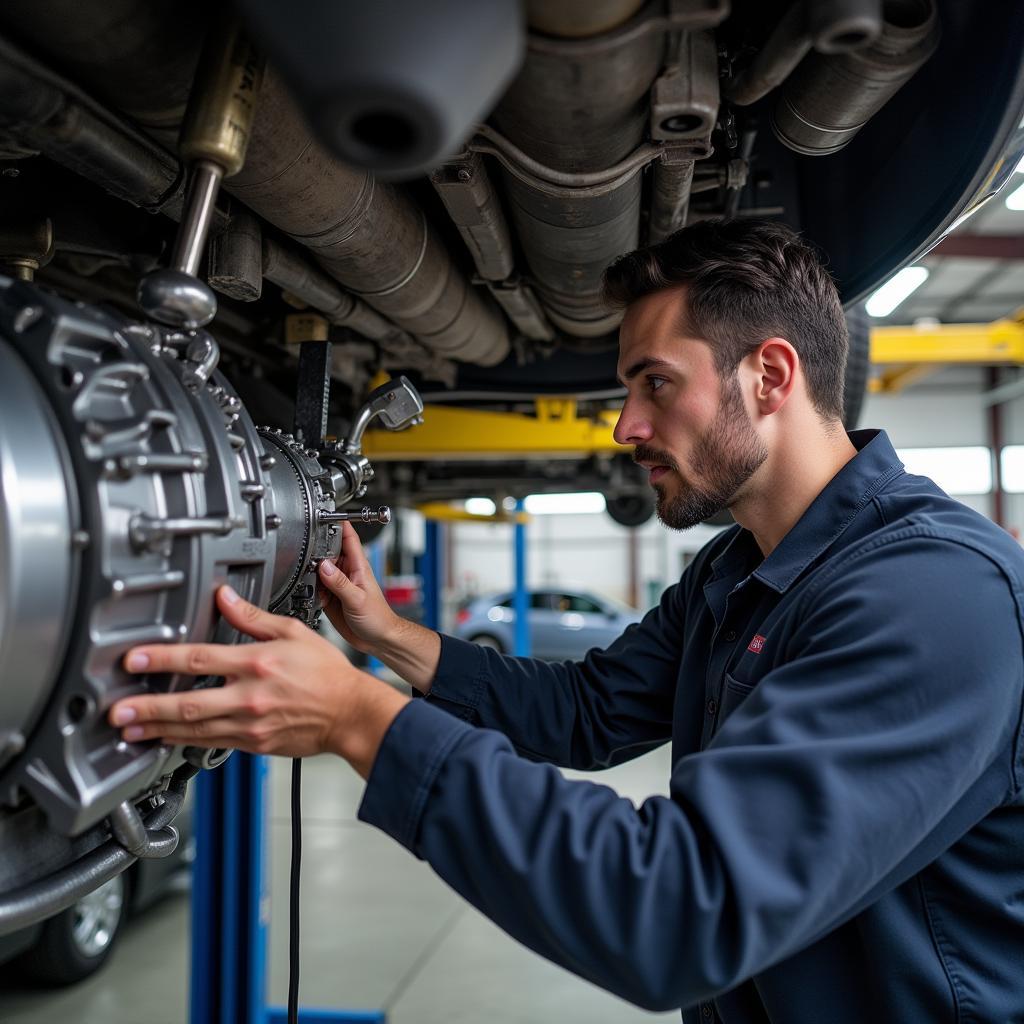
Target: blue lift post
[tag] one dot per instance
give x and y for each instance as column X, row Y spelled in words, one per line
column 229, row 904
column 432, row 571
column 375, row 556
column 521, row 597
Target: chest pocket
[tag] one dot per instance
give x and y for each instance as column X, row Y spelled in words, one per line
column 734, row 693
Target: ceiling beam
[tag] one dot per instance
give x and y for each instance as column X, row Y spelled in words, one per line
column 984, row 247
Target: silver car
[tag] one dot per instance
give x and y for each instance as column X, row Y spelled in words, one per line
column 563, row 624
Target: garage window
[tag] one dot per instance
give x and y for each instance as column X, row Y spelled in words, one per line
column 957, row 470
column 1013, row 468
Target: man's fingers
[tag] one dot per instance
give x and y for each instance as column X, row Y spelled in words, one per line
column 191, row 706
column 212, row 732
column 352, row 550
column 337, row 583
column 190, row 659
column 253, row 620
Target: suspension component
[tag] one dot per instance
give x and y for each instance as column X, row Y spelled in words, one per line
column 214, row 138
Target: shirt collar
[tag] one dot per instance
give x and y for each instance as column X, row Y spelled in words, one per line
column 874, row 465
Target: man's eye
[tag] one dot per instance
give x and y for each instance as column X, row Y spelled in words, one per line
column 654, row 383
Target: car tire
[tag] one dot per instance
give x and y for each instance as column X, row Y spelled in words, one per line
column 486, row 640
column 78, row 941
column 858, row 364
column 630, row 509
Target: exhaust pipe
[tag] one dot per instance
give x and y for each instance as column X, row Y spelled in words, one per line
column 829, row 99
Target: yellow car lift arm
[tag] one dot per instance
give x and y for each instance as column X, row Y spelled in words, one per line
column 554, row 432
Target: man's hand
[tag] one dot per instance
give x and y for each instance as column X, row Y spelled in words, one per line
column 352, row 598
column 291, row 693
column 358, row 610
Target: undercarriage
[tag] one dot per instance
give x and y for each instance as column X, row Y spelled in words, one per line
column 233, row 239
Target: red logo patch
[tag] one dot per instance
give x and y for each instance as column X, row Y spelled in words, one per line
column 757, row 644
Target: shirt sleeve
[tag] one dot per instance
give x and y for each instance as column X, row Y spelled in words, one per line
column 613, row 705
column 888, row 734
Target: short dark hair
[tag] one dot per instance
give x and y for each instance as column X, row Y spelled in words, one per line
column 746, row 280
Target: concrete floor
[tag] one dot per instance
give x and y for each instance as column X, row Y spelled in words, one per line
column 379, row 930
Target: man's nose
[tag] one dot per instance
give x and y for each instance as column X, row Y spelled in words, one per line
column 631, row 428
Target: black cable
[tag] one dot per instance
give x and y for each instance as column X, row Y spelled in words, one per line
column 293, row 910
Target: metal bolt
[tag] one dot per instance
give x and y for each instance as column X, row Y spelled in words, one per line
column 464, row 174
column 80, row 539
column 26, row 317
column 274, row 521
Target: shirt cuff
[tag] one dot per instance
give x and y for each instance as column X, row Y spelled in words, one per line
column 410, row 756
column 459, row 679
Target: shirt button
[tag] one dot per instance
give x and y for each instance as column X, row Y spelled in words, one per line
column 730, row 636
column 705, row 1011
column 712, row 706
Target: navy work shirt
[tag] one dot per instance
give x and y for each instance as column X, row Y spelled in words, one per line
column 844, row 839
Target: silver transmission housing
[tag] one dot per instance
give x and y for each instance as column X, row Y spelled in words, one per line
column 132, row 483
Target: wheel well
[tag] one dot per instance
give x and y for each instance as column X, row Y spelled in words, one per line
column 488, row 640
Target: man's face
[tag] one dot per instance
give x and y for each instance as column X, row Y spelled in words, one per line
column 690, row 427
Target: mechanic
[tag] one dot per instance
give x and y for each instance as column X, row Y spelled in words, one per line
column 840, row 675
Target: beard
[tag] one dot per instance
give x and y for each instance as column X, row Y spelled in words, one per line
column 726, row 456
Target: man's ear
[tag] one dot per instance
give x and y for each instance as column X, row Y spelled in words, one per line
column 776, row 364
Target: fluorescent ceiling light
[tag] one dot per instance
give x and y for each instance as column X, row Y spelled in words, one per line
column 583, row 503
column 895, row 290
column 480, row 506
column 1015, row 200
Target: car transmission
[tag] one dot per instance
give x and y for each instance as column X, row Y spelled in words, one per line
column 132, row 483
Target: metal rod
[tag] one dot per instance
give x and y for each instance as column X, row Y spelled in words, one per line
column 364, row 515
column 195, row 224
column 515, row 159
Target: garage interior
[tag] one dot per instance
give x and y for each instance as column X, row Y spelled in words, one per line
column 372, row 243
